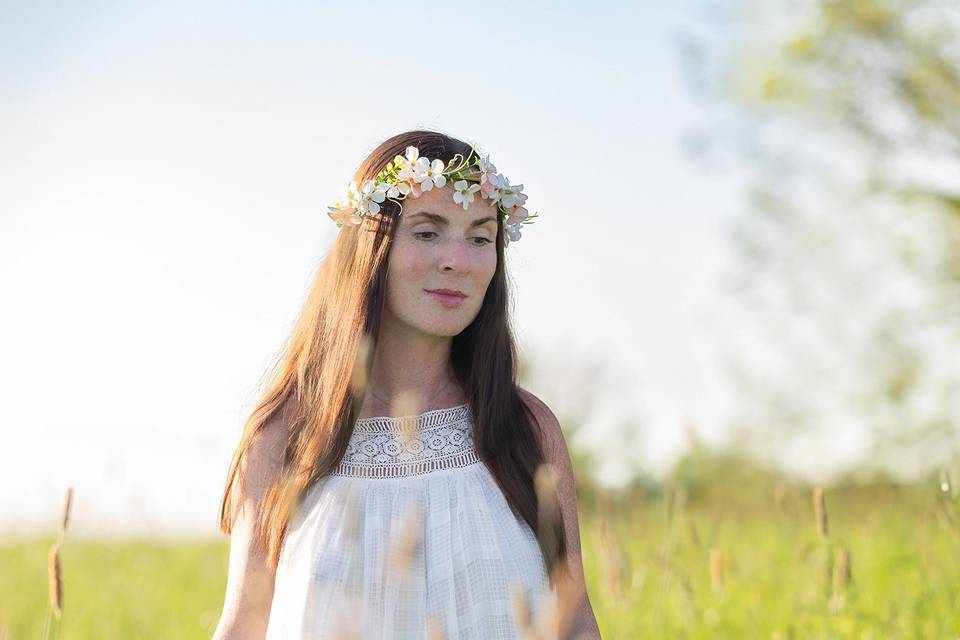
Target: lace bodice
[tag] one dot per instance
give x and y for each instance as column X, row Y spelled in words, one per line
column 385, row 447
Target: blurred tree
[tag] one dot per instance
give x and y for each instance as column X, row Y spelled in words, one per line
column 844, row 118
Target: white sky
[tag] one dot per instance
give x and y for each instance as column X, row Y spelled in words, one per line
column 164, row 177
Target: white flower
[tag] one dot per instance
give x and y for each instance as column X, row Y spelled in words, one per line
column 486, row 175
column 418, row 174
column 371, row 195
column 486, row 166
column 464, row 194
column 407, row 164
column 521, row 197
column 432, row 176
column 420, row 169
column 400, row 188
column 510, row 194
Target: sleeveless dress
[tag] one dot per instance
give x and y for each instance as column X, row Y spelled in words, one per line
column 409, row 537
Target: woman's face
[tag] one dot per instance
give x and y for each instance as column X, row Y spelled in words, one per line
column 439, row 245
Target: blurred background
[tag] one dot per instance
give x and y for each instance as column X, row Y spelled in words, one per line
column 742, row 297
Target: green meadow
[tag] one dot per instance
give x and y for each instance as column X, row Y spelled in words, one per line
column 732, row 553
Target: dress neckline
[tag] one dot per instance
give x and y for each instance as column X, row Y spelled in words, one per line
column 431, row 418
column 392, row 447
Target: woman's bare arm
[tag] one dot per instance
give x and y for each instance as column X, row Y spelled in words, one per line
column 577, row 619
column 250, row 580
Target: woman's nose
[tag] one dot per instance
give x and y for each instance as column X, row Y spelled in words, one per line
column 454, row 255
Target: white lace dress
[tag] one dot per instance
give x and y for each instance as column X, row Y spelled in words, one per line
column 414, row 489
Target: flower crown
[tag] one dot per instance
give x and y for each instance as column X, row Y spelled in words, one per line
column 413, row 174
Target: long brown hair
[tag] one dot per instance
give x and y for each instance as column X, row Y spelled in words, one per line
column 313, row 384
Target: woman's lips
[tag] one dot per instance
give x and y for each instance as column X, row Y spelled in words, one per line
column 447, row 300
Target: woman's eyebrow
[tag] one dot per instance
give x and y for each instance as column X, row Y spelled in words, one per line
column 436, row 217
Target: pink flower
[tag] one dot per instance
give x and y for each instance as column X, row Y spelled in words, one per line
column 487, row 189
column 517, row 215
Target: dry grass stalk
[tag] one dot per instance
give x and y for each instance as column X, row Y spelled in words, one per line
column 676, row 502
column 66, row 514
column 820, row 511
column 779, row 495
column 521, row 612
column 842, row 574
column 613, row 561
column 286, row 492
column 569, row 599
column 841, row 580
column 404, row 542
column 548, row 508
column 716, row 569
column 548, row 521
column 346, row 626
column 54, row 577
column 549, row 617
column 53, row 573
column 351, row 513
column 359, row 376
column 949, row 502
column 435, row 629
column 407, row 404
column 603, row 505
column 690, row 528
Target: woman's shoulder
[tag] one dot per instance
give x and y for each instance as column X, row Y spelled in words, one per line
column 263, row 464
column 546, row 420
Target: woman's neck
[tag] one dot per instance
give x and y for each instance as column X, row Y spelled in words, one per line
column 411, row 376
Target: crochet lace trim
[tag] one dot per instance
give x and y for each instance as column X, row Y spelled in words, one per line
column 430, row 418
column 386, row 447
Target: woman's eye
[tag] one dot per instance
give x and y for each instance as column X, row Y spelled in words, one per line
column 420, row 234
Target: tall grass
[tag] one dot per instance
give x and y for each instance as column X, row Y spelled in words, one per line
column 699, row 557
column 54, row 577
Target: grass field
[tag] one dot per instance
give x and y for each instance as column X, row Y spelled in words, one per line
column 742, row 558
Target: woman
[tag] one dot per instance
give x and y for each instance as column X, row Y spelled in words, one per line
column 394, row 481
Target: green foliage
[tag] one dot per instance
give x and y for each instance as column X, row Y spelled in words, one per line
column 705, row 474
column 778, row 579
column 738, row 556
column 124, row 590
